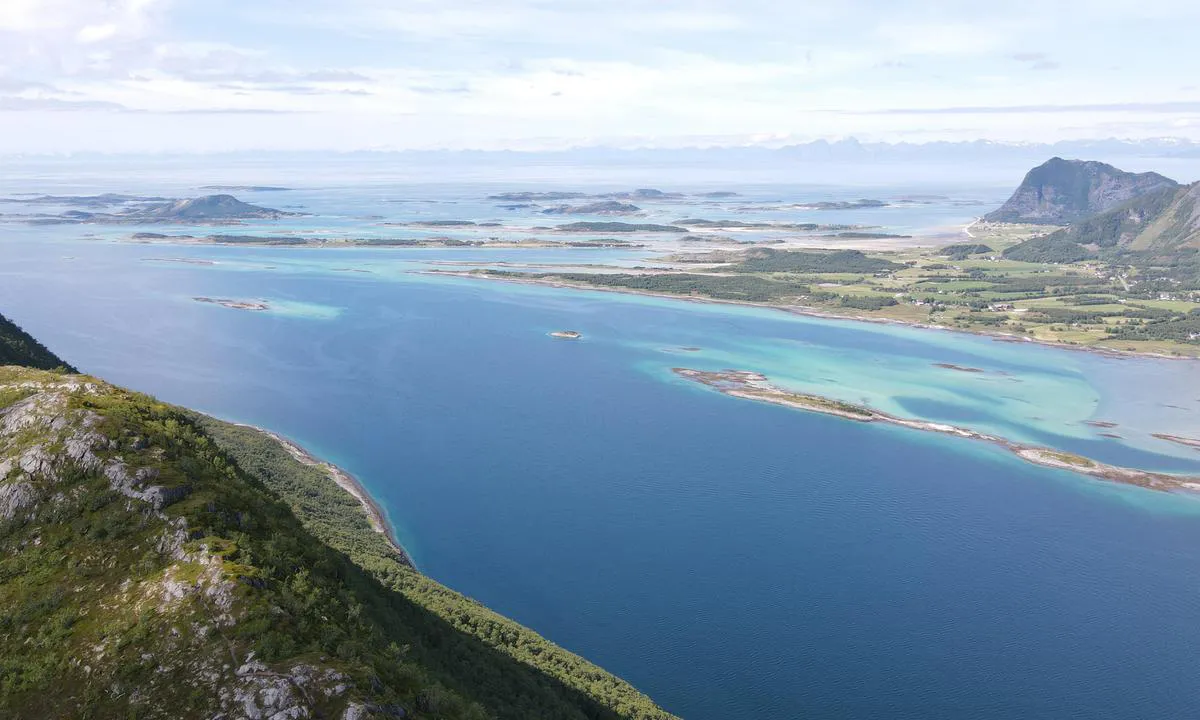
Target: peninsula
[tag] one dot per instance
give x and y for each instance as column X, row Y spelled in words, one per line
column 1126, row 280
column 755, row 386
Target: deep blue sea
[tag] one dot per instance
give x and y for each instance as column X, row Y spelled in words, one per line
column 734, row 560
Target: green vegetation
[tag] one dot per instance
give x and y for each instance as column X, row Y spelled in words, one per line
column 962, row 251
column 865, row 302
column 1140, row 300
column 721, row 287
column 1125, row 222
column 151, row 552
column 1048, row 249
column 17, row 347
column 1184, row 329
column 798, row 261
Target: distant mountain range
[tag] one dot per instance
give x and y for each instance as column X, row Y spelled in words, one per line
column 1062, row 191
column 806, row 162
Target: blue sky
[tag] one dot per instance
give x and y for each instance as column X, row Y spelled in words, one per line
column 203, row 75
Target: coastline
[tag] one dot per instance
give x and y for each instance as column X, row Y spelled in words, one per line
column 749, row 385
column 809, row 312
column 374, row 512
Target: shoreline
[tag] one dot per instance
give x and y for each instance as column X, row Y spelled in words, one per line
column 749, row 385
column 371, row 508
column 811, row 312
column 967, row 228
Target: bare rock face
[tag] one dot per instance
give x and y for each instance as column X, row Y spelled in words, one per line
column 1059, row 192
column 49, row 445
column 14, row 497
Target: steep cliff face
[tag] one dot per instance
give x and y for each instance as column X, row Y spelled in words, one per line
column 1060, row 191
column 156, row 563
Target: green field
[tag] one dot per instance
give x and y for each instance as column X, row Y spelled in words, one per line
column 1115, row 304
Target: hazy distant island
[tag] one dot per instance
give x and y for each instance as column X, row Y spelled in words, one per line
column 94, row 201
column 537, row 196
column 619, row 227
column 245, row 188
column 208, row 209
column 439, row 241
column 733, row 224
column 841, row 205
column 647, row 194
column 603, row 207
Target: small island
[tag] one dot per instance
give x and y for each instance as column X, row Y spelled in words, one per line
column 566, row 334
column 959, row 368
column 254, row 305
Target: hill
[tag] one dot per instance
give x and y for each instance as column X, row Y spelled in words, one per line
column 18, row 347
column 158, row 563
column 1048, row 249
column 208, row 207
column 816, row 261
column 1156, row 229
column 1162, row 221
column 1062, row 191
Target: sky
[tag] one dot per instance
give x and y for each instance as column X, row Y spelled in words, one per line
column 224, row 75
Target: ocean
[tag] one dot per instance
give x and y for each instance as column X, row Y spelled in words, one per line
column 734, row 560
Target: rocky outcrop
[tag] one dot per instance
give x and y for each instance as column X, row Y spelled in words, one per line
column 1060, row 191
column 72, row 431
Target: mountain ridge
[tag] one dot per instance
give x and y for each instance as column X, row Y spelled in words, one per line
column 1062, row 191
column 1165, row 220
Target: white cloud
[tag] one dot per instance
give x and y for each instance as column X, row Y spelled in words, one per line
column 96, row 33
column 501, row 72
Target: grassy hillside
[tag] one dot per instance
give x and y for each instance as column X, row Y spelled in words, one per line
column 17, row 347
column 1158, row 219
column 836, row 261
column 155, row 563
column 1155, row 236
column 1049, row 249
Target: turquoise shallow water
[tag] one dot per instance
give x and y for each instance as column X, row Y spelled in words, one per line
column 733, row 559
